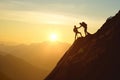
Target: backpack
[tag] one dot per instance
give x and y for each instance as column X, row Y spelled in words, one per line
column 84, row 24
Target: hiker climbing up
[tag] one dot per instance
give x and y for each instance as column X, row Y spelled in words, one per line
column 75, row 29
column 84, row 25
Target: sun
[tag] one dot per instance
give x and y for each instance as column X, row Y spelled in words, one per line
column 53, row 37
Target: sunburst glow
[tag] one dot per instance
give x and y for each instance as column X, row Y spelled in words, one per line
column 53, row 37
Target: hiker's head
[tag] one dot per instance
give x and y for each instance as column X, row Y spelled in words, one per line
column 83, row 24
column 74, row 26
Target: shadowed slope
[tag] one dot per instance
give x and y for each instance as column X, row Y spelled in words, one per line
column 94, row 57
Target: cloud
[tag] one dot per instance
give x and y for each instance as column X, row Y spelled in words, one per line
column 64, row 6
column 74, row 8
column 34, row 17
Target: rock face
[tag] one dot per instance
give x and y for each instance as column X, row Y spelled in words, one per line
column 94, row 57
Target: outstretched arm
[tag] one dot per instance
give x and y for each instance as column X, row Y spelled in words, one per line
column 79, row 27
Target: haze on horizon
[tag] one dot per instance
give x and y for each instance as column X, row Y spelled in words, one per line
column 32, row 21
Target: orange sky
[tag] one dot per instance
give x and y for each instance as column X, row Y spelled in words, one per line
column 24, row 21
column 30, row 27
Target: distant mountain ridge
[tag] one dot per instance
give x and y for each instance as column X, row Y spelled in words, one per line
column 18, row 69
column 94, row 57
column 38, row 54
column 39, row 57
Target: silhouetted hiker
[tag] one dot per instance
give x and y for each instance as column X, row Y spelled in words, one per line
column 75, row 29
column 84, row 25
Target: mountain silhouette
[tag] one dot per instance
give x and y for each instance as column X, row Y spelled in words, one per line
column 18, row 69
column 30, row 57
column 94, row 57
column 38, row 54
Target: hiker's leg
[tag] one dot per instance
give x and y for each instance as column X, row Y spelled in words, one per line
column 75, row 35
column 85, row 30
column 80, row 34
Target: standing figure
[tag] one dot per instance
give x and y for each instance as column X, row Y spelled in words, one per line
column 75, row 29
column 84, row 25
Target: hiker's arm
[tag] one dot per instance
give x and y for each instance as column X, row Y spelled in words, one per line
column 80, row 27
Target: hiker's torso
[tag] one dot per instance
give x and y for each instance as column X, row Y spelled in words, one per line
column 75, row 30
column 84, row 25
